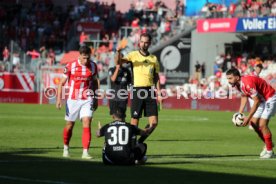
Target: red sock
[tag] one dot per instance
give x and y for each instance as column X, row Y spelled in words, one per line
column 67, row 134
column 86, row 138
column 268, row 141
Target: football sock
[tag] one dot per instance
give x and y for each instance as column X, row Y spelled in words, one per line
column 268, row 141
column 86, row 138
column 144, row 137
column 67, row 134
column 258, row 130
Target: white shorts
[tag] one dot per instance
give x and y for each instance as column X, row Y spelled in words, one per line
column 78, row 109
column 266, row 109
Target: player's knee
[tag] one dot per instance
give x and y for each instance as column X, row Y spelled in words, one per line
column 69, row 126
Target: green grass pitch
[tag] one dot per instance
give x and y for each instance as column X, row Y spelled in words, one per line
column 187, row 147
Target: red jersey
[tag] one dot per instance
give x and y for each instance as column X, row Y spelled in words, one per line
column 252, row 86
column 80, row 79
column 253, row 73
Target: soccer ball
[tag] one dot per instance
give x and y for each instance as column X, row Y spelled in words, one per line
column 238, row 119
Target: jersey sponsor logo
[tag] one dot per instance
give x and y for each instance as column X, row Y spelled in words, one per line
column 135, row 113
column 82, row 78
column 145, row 61
column 118, row 148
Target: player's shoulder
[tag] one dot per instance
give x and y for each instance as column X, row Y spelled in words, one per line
column 153, row 56
column 70, row 63
column 134, row 52
column 248, row 78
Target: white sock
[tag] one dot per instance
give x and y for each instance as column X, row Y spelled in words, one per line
column 66, row 147
column 85, row 151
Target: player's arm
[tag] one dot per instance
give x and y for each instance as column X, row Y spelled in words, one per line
column 115, row 73
column 59, row 92
column 101, row 130
column 157, row 82
column 147, row 131
column 244, row 100
column 98, row 133
column 119, row 58
column 95, row 87
column 257, row 102
column 66, row 76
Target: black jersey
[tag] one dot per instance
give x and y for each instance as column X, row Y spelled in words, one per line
column 122, row 81
column 120, row 140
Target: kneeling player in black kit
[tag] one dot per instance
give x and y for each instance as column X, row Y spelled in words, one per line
column 120, row 146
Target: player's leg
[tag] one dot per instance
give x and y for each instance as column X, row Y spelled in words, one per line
column 112, row 107
column 136, row 107
column 67, row 134
column 254, row 122
column 86, row 117
column 123, row 107
column 256, row 119
column 151, row 112
column 72, row 113
column 140, row 151
column 268, row 151
column 269, row 110
column 250, row 126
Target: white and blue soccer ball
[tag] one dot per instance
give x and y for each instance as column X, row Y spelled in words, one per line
column 238, row 119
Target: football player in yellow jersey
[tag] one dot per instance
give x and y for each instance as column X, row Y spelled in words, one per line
column 146, row 86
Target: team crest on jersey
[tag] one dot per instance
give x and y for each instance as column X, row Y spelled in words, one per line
column 146, row 61
column 253, row 91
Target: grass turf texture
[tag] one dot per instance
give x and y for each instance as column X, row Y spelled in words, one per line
column 187, row 147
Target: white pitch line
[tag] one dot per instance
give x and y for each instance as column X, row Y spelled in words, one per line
column 32, row 180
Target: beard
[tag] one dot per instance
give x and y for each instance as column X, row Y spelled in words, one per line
column 233, row 84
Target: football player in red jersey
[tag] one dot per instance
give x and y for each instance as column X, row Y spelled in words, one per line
column 81, row 75
column 263, row 108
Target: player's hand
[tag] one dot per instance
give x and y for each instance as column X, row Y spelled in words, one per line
column 94, row 106
column 159, row 99
column 58, row 104
column 245, row 121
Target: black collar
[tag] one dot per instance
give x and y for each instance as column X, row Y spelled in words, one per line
column 147, row 54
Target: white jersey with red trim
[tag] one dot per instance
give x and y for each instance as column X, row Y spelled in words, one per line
column 252, row 86
column 80, row 79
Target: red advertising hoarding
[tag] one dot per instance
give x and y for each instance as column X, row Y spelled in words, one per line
column 17, row 82
column 19, row 97
column 217, row 25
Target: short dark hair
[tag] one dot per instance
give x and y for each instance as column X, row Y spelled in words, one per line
column 85, row 50
column 259, row 66
column 146, row 35
column 118, row 113
column 233, row 71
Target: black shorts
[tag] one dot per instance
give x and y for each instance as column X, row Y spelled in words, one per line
column 146, row 102
column 118, row 105
column 137, row 154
